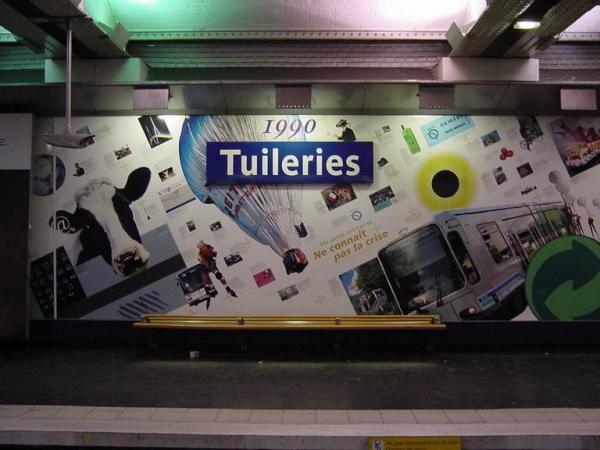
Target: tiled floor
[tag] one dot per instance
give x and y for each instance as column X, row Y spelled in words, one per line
column 294, row 416
column 130, row 427
column 533, row 400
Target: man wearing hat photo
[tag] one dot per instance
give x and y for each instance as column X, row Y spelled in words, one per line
column 347, row 133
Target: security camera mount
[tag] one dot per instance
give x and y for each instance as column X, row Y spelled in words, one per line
column 68, row 139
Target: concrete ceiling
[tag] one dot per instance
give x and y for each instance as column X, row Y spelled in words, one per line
column 228, row 55
column 177, row 19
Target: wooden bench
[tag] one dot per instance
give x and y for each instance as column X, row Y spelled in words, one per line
column 395, row 322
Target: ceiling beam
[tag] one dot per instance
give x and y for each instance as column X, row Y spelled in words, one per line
column 29, row 32
column 288, row 35
column 477, row 70
column 555, row 21
column 494, row 20
column 105, row 38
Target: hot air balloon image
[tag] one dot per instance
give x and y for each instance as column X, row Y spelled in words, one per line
column 271, row 214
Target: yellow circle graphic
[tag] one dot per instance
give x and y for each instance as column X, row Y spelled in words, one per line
column 440, row 166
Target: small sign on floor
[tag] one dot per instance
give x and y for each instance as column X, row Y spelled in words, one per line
column 415, row 443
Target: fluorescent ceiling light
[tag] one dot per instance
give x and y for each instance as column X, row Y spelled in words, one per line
column 526, row 24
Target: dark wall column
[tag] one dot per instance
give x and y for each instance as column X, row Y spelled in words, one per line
column 14, row 204
column 15, row 165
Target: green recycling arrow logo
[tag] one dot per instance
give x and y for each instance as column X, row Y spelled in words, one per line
column 563, row 280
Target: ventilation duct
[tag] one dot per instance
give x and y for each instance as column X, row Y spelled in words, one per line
column 293, row 97
column 436, row 97
column 578, row 100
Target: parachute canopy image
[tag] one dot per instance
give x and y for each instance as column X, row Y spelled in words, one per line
column 269, row 214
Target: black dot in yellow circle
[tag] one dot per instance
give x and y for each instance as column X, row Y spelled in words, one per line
column 446, row 181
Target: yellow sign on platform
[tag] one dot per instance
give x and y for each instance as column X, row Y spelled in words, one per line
column 415, row 443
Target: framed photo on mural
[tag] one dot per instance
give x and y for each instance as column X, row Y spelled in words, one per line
column 578, row 143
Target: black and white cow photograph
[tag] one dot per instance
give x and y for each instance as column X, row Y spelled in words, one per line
column 105, row 223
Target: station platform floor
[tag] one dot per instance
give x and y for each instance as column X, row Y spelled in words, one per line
column 135, row 397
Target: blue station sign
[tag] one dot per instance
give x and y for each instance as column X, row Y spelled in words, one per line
column 289, row 162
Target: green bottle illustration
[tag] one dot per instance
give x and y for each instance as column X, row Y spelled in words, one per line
column 411, row 141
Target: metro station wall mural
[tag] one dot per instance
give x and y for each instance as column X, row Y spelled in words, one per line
column 469, row 217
